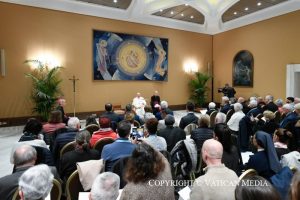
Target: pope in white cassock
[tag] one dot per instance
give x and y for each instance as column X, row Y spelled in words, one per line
column 139, row 104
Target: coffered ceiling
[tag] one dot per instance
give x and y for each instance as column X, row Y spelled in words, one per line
column 203, row 16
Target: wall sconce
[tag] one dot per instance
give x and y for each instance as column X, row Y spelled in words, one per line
column 46, row 59
column 190, row 66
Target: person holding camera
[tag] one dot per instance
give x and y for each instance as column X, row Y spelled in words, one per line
column 227, row 91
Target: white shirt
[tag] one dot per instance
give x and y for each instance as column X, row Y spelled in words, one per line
column 139, row 103
column 235, row 119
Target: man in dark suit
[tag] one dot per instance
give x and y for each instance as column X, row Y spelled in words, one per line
column 291, row 117
column 190, row 117
column 270, row 105
column 109, row 113
column 24, row 157
column 171, row 134
column 225, row 105
column 155, row 99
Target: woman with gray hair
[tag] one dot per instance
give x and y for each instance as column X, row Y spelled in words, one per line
column 36, row 183
column 81, row 153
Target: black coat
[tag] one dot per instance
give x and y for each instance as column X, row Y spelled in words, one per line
column 199, row 135
column 188, row 119
column 172, row 135
column 9, row 183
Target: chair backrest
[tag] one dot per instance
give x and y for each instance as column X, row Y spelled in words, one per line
column 229, row 114
column 67, row 147
column 136, row 124
column 102, row 142
column 56, row 190
column 212, row 118
column 92, row 128
column 16, row 195
column 119, row 168
column 188, row 129
column 73, row 186
column 248, row 173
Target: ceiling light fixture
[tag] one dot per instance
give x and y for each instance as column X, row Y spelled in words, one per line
column 172, row 12
column 246, row 8
column 192, row 17
column 235, row 13
column 115, row 1
column 259, row 4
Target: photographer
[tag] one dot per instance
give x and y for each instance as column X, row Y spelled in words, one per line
column 227, row 91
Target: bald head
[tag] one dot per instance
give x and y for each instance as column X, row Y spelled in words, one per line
column 212, row 152
column 24, row 155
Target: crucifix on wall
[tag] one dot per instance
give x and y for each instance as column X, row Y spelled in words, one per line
column 74, row 79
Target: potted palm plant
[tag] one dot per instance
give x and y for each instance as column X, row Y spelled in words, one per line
column 45, row 87
column 198, row 88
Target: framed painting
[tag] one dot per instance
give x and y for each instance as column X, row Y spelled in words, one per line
column 243, row 69
column 120, row 56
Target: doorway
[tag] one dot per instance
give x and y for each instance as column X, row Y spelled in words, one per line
column 293, row 80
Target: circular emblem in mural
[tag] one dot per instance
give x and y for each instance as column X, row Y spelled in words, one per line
column 132, row 58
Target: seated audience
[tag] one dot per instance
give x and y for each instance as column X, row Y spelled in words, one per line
column 190, row 117
column 31, row 134
column 36, row 183
column 267, row 122
column 290, row 100
column 105, row 187
column 157, row 142
column 165, row 107
column 270, row 105
column 109, row 113
column 54, row 123
column 121, row 147
column 202, row 133
column 279, row 104
column 144, row 168
column 211, row 108
column 254, row 109
column 265, row 161
column 281, row 139
column 231, row 157
column 242, row 101
column 290, row 116
column 24, row 157
column 64, row 138
column 220, row 118
column 235, row 119
column 225, row 105
column 104, row 131
column 91, row 120
column 255, row 187
column 171, row 134
column 129, row 110
column 294, row 193
column 203, row 187
column 81, row 153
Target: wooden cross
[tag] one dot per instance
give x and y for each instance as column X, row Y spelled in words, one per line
column 74, row 79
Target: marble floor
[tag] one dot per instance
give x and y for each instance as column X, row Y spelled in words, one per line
column 9, row 135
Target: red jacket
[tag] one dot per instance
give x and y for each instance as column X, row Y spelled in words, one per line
column 102, row 133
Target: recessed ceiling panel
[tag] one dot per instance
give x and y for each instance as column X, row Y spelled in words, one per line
column 183, row 13
column 245, row 7
column 121, row 4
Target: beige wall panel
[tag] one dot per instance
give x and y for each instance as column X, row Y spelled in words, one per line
column 26, row 32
